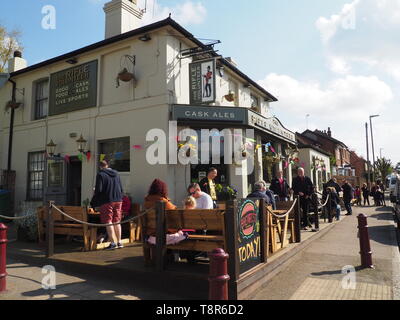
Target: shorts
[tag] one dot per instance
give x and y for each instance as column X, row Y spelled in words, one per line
column 111, row 212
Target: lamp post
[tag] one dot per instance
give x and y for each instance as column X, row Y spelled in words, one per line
column 373, row 147
column 368, row 164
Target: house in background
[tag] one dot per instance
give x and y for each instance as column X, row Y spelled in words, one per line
column 315, row 160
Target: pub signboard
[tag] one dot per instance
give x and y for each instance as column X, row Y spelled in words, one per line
column 249, row 237
column 202, row 82
column 73, row 89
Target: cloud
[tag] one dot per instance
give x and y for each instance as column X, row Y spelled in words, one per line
column 363, row 35
column 344, row 104
column 187, row 13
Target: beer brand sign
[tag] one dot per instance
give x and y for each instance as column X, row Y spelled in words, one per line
column 249, row 240
column 73, row 89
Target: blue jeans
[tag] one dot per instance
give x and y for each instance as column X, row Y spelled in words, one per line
column 338, row 211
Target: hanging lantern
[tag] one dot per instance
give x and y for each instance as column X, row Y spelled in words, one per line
column 81, row 144
column 51, row 148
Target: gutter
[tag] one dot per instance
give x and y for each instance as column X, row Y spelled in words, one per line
column 10, row 137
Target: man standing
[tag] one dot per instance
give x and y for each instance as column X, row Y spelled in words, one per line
column 108, row 196
column 203, row 200
column 302, row 186
column 347, row 197
column 280, row 187
column 333, row 184
column 207, row 185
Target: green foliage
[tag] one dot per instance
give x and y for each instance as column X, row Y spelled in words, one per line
column 9, row 42
column 225, row 192
column 29, row 224
column 384, row 167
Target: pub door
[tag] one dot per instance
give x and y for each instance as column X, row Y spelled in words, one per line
column 74, row 182
column 56, row 185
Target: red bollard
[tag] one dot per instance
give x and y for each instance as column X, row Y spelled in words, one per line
column 219, row 277
column 3, row 246
column 365, row 246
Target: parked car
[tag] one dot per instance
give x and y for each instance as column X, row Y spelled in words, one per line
column 394, row 185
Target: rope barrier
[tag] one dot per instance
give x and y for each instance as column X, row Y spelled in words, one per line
column 326, row 202
column 143, row 213
column 283, row 215
column 17, row 218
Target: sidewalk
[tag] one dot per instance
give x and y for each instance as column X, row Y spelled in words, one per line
column 316, row 273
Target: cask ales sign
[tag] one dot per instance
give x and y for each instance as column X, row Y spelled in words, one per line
column 73, row 89
column 249, row 239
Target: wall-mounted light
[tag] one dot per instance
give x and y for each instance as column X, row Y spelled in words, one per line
column 145, row 38
column 72, row 61
column 82, row 145
column 247, row 85
column 51, row 148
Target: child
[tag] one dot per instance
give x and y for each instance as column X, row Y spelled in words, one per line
column 190, row 203
column 126, row 206
column 357, row 195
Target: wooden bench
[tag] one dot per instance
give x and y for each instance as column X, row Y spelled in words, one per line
column 211, row 220
column 66, row 226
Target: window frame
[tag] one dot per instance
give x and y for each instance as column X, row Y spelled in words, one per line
column 36, row 101
column 101, row 151
column 29, row 191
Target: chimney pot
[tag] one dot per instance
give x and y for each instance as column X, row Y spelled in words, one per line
column 17, row 54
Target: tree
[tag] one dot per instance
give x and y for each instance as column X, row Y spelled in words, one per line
column 9, row 42
column 384, row 167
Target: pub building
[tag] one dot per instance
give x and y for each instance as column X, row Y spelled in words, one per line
column 100, row 101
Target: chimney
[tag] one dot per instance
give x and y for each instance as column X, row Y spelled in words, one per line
column 17, row 63
column 121, row 16
column 329, row 132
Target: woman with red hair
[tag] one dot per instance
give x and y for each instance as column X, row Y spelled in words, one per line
column 158, row 192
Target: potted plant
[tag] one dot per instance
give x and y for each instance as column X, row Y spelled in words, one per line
column 225, row 193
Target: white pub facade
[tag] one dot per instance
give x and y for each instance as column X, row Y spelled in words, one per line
column 112, row 93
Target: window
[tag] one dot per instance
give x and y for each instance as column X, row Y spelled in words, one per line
column 255, row 103
column 41, row 99
column 36, row 168
column 117, row 152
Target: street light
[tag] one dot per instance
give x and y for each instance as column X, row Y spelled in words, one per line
column 372, row 139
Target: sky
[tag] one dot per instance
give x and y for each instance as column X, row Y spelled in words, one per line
column 336, row 61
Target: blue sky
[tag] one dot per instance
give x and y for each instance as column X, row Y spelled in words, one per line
column 306, row 52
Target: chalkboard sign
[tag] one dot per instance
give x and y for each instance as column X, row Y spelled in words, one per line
column 249, row 239
column 73, row 89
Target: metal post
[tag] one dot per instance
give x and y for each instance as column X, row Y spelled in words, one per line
column 329, row 208
column 297, row 220
column 368, row 164
column 365, row 246
column 50, row 231
column 219, row 278
column 3, row 260
column 316, row 213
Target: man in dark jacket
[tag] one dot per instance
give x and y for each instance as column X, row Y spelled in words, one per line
column 280, row 187
column 108, row 196
column 207, row 185
column 348, row 195
column 302, row 186
column 333, row 184
column 261, row 192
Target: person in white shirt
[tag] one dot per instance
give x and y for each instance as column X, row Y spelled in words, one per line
column 203, row 200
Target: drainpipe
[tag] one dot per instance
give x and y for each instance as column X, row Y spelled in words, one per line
column 10, row 138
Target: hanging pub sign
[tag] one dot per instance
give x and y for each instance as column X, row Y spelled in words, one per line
column 249, row 239
column 73, row 89
column 202, row 82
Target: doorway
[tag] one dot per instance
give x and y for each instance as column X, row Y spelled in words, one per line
column 74, row 182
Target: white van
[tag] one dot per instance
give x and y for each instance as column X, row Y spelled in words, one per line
column 393, row 179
